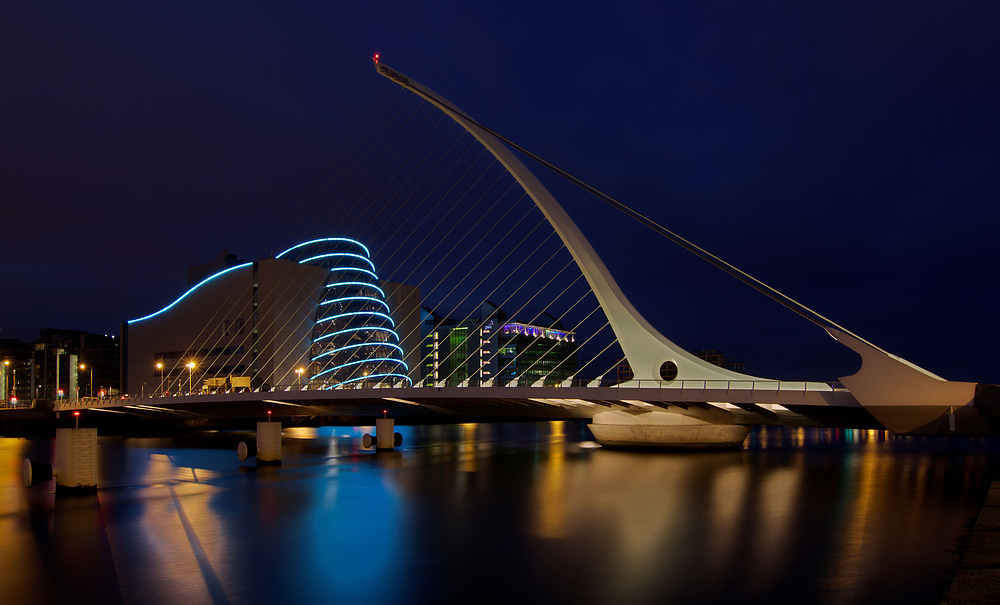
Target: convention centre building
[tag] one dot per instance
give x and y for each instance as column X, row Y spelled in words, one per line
column 315, row 316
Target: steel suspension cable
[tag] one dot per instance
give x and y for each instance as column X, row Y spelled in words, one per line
column 698, row 251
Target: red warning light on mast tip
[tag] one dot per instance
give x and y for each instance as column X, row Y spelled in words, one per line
column 375, row 58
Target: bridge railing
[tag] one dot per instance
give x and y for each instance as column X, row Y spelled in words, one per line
column 732, row 385
column 20, row 404
column 695, row 385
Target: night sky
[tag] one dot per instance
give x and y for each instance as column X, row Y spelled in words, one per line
column 845, row 154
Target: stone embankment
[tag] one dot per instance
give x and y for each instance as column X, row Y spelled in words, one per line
column 978, row 577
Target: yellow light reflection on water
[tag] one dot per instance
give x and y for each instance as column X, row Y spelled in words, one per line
column 776, row 497
column 178, row 536
column 551, row 522
column 467, row 447
column 300, row 432
column 852, row 557
column 727, row 501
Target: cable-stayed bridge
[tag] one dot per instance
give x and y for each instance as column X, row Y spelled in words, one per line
column 449, row 208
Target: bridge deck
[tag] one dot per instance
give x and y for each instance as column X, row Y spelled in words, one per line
column 733, row 405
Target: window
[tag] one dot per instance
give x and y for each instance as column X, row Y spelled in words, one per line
column 668, row 371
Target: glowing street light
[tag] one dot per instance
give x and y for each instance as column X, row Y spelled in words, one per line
column 159, row 368
column 298, row 377
column 190, row 380
column 91, row 392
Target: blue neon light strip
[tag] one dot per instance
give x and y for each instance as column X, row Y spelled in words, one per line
column 356, row 283
column 183, row 296
column 371, row 313
column 336, row 300
column 359, row 362
column 332, row 334
column 311, row 258
column 354, row 269
column 373, row 376
column 326, row 239
column 364, row 344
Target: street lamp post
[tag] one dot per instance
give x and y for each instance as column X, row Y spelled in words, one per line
column 90, row 393
column 159, row 368
column 298, row 377
column 190, row 377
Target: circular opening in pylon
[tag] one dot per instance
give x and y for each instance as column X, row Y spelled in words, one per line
column 668, row 371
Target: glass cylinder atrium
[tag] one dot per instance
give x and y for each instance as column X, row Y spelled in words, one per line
column 354, row 342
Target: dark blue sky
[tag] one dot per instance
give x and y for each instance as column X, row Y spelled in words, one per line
column 846, row 154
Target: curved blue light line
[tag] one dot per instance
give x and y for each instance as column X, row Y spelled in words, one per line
column 379, row 301
column 372, row 376
column 332, row 334
column 356, row 283
column 328, row 255
column 359, row 362
column 354, row 269
column 364, row 344
column 183, row 296
column 374, row 313
column 325, row 239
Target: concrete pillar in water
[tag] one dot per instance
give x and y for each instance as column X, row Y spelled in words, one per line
column 75, row 469
column 268, row 443
column 385, row 438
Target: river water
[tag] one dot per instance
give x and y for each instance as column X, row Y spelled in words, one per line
column 496, row 513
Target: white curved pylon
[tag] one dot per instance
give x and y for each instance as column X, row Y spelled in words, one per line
column 644, row 347
column 887, row 380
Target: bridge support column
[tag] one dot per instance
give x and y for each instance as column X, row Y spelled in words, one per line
column 385, row 438
column 664, row 430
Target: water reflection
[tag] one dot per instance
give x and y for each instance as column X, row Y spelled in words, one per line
column 498, row 512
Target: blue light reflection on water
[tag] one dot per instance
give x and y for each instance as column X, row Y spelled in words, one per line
column 498, row 512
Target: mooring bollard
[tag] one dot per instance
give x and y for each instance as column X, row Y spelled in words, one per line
column 268, row 448
column 384, row 438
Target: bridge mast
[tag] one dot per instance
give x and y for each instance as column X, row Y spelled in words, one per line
column 651, row 355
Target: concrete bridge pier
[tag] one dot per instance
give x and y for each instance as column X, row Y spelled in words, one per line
column 664, row 430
